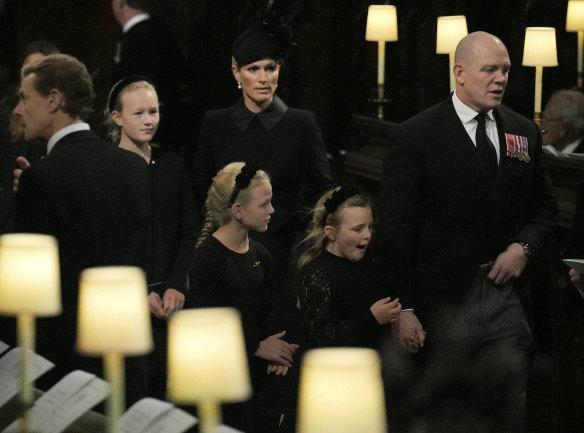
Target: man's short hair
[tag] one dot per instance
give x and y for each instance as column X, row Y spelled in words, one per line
column 67, row 75
column 143, row 5
column 40, row 46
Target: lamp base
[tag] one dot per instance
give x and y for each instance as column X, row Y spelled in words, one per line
column 537, row 118
column 113, row 364
column 380, row 102
column 209, row 416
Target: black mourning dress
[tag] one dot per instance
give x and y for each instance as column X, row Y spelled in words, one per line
column 335, row 297
column 221, row 277
column 171, row 236
column 287, row 143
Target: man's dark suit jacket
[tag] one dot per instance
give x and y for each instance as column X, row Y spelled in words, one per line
column 149, row 49
column 438, row 220
column 92, row 197
column 580, row 148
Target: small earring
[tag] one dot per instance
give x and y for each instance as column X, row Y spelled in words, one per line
column 239, row 85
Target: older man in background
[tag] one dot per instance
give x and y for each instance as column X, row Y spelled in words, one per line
column 562, row 123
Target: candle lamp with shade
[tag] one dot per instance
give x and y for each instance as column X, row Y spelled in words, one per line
column 207, row 362
column 341, row 391
column 381, row 27
column 30, row 286
column 575, row 23
column 539, row 51
column 449, row 31
column 113, row 321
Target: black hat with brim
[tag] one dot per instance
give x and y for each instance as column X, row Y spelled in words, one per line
column 265, row 40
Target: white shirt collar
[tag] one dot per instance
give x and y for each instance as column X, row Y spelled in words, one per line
column 135, row 20
column 65, row 131
column 466, row 113
column 570, row 148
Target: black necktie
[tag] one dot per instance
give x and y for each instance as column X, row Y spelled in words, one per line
column 486, row 150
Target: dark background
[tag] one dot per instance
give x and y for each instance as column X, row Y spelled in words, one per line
column 333, row 69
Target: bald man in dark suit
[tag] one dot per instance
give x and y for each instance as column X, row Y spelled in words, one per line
column 465, row 204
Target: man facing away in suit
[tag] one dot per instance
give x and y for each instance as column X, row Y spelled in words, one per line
column 465, row 204
column 148, row 48
column 562, row 123
column 87, row 193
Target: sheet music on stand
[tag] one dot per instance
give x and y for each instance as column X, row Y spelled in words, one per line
column 150, row 415
column 10, row 372
column 71, row 397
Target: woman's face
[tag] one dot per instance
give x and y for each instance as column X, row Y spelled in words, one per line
column 258, row 82
column 255, row 214
column 351, row 237
column 139, row 117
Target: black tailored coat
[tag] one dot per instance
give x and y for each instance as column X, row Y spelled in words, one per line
column 291, row 151
column 92, row 197
column 438, row 220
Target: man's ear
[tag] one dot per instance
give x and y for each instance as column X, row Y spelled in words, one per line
column 55, row 100
column 458, row 72
column 330, row 232
column 565, row 127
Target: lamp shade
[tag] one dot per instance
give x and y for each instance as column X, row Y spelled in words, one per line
column 450, row 30
column 113, row 314
column 540, row 47
column 575, row 16
column 341, row 391
column 381, row 23
column 29, row 275
column 206, row 356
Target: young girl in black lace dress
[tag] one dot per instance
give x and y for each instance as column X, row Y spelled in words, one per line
column 341, row 293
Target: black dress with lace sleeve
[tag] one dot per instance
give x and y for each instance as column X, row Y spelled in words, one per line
column 335, row 298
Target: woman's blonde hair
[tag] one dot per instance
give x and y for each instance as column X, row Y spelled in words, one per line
column 219, row 197
column 115, row 131
column 316, row 240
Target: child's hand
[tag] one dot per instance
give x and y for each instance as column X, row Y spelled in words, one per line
column 277, row 369
column 385, row 310
column 277, row 350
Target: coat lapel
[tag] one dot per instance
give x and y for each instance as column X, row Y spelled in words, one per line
column 458, row 147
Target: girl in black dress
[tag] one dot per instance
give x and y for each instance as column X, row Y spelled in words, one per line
column 341, row 292
column 231, row 270
column 133, row 118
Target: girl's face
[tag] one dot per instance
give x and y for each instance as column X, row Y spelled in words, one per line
column 351, row 237
column 258, row 82
column 255, row 214
column 139, row 117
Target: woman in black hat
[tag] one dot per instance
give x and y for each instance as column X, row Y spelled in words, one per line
column 286, row 142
